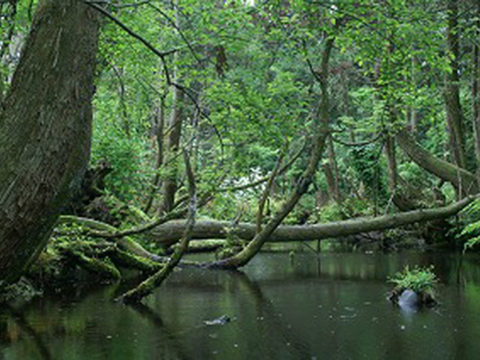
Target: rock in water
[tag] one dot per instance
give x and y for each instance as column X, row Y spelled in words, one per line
column 222, row 320
column 409, row 300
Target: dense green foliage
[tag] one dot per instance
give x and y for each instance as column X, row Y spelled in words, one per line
column 237, row 86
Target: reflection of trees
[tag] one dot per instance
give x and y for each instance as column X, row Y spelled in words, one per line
column 26, row 328
column 172, row 342
column 270, row 326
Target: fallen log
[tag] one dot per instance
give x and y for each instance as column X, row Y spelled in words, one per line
column 169, row 233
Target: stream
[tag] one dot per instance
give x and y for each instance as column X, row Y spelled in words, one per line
column 331, row 306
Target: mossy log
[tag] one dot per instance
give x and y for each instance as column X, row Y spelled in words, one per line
column 125, row 259
column 96, row 266
column 126, row 243
column 171, row 232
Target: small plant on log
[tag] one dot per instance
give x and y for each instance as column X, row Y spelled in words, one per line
column 421, row 280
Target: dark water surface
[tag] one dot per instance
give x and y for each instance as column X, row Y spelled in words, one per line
column 331, row 307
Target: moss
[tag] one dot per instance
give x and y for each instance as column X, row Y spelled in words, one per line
column 22, row 290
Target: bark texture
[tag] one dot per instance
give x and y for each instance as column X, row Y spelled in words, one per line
column 45, row 128
column 171, row 232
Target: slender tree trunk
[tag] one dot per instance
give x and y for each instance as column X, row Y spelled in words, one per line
column 452, row 90
column 174, row 133
column 413, row 111
column 475, row 92
column 332, row 162
column 45, row 128
column 169, row 186
column 398, row 197
column 159, row 125
column 346, row 102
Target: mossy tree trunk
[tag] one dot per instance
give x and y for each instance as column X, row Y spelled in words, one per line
column 464, row 181
column 45, row 128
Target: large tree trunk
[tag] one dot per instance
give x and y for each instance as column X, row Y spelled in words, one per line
column 169, row 233
column 45, row 128
column 452, row 89
column 464, row 181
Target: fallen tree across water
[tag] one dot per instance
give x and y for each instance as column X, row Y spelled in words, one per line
column 171, row 232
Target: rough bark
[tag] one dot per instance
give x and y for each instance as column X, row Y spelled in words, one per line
column 452, row 89
column 464, row 181
column 171, row 232
column 45, row 128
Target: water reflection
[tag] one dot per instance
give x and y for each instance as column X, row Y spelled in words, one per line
column 329, row 306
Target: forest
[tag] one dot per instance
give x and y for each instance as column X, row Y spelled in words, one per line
column 218, row 164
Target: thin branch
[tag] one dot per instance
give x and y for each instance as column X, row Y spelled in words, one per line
column 160, row 54
column 180, row 32
column 149, row 285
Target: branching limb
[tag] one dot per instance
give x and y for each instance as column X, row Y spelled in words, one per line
column 149, row 285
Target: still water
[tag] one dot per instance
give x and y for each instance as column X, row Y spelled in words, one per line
column 327, row 307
